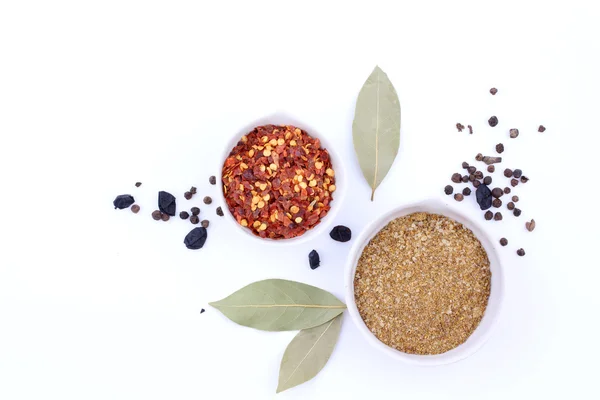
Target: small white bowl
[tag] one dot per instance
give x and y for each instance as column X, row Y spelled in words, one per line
column 492, row 312
column 336, row 162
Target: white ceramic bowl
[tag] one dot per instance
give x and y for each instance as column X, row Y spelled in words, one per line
column 492, row 312
column 336, row 162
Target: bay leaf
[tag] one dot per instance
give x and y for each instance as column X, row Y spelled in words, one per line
column 376, row 127
column 307, row 353
column 280, row 305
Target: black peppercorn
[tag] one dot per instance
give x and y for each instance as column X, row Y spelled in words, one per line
column 212, row 180
column 313, row 259
column 193, row 190
column 503, row 241
column 497, row 192
column 476, row 184
column 472, row 178
column 166, row 203
column 187, row 195
column 513, row 133
column 341, row 233
column 471, row 170
column 506, row 190
column 478, row 175
column 196, row 238
column 123, row 201
column 484, row 197
column 493, row 121
column 138, row 184
column 195, row 210
column 516, row 212
column 510, row 205
column 488, row 215
column 135, row 208
column 498, row 216
column 156, row 215
column 465, row 165
column 499, row 148
column 164, row 216
column 458, row 197
column 508, row 172
column 220, row 211
column 456, row 178
column 524, row 179
column 497, row 203
column 517, row 173
column 184, row 215
column 465, row 179
column 479, row 157
column 541, row 128
column 194, row 219
column 493, row 91
column 487, row 180
column 448, row 189
column 466, row 192
column 521, row 252
column 491, row 168
column 515, row 198
column 207, row 200
column 514, row 182
column 205, row 223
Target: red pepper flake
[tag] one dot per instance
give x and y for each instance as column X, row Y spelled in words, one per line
column 278, row 181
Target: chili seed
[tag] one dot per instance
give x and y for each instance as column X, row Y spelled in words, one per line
column 530, row 226
column 341, row 233
column 456, row 178
column 471, row 170
column 493, row 91
column 517, row 212
column 135, row 208
column 524, row 179
column 458, row 197
column 205, row 223
column 156, row 215
column 484, row 197
column 515, row 198
column 195, row 211
column 541, row 128
column 508, row 172
column 184, row 215
column 123, row 201
column 491, row 168
column 517, row 173
column 499, row 148
column 498, row 216
column 513, row 133
column 497, row 192
column 476, row 184
column 212, row 180
column 138, row 184
column 165, row 217
column 493, row 121
column 479, row 157
column 466, row 191
column 521, row 252
column 497, row 203
column 503, row 241
column 506, row 190
column 487, row 180
column 196, row 238
column 514, row 182
column 448, row 189
column 220, row 211
column 314, row 260
column 465, row 165
column 465, row 178
column 207, row 200
column 510, row 205
column 194, row 219
column 187, row 195
column 488, row 215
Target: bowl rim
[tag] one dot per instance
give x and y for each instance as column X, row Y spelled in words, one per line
column 282, row 118
column 493, row 309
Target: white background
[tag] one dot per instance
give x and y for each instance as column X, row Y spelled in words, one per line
column 97, row 303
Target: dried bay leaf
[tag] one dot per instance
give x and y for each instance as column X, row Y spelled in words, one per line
column 307, row 353
column 280, row 305
column 376, row 127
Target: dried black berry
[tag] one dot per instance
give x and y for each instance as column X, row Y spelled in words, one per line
column 510, row 205
column 476, row 184
column 138, row 184
column 515, row 198
column 498, row 216
column 313, row 259
column 493, row 121
column 497, row 203
column 207, row 200
column 487, row 180
column 156, row 215
column 541, row 128
column 465, row 179
column 458, row 197
column 456, row 178
column 184, row 215
column 517, row 212
column 499, row 148
column 341, row 233
column 488, row 215
column 465, row 165
column 166, row 203
column 196, row 238
column 201, row 311
column 187, row 195
column 506, row 190
column 164, row 216
column 484, row 197
column 514, row 182
column 193, row 190
column 503, row 241
column 220, row 211
column 212, row 180
column 205, row 223
column 123, row 201
column 508, row 172
column 471, row 170
column 491, row 169
column 517, row 173
column 497, row 192
column 448, row 189
column 493, row 91
column 521, row 252
column 466, row 191
column 135, row 209
column 194, row 219
column 513, row 133
column 524, row 179
column 195, row 210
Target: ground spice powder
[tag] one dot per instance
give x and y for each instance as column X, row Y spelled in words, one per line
column 422, row 284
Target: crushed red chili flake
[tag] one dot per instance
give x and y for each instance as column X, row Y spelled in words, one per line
column 278, row 181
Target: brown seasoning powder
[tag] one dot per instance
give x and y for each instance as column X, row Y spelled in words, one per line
column 422, row 284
